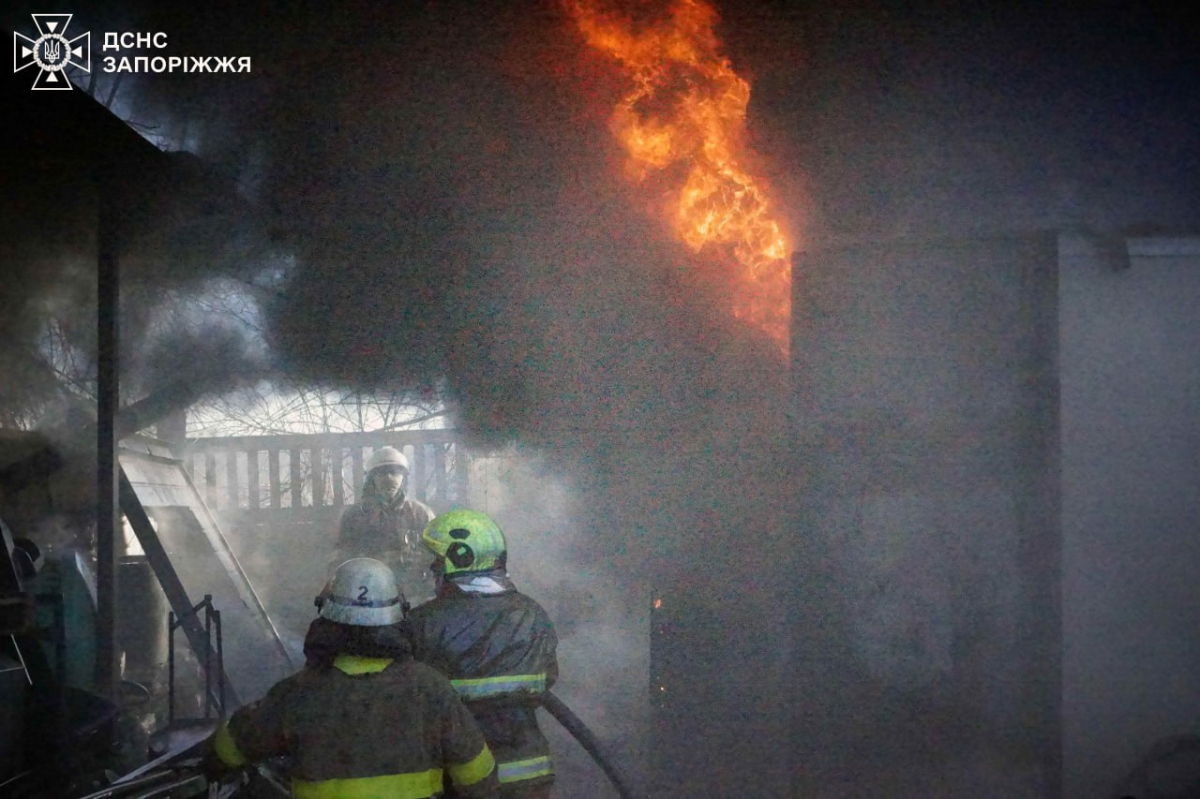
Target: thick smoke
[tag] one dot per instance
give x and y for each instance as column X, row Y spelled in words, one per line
column 180, row 228
column 464, row 225
column 445, row 180
column 602, row 622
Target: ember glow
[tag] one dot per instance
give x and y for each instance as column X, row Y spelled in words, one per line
column 685, row 116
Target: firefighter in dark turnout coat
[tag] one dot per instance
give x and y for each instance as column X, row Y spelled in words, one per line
column 367, row 720
column 386, row 524
column 495, row 644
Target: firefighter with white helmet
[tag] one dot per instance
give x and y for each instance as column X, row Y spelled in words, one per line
column 362, row 593
column 495, row 644
column 368, row 721
column 386, row 524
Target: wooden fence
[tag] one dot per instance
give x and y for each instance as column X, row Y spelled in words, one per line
column 302, row 474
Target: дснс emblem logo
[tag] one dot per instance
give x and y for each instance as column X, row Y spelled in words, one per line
column 52, row 51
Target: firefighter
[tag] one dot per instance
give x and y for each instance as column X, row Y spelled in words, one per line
column 370, row 721
column 495, row 644
column 386, row 524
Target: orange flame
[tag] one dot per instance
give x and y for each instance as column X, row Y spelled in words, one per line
column 687, row 106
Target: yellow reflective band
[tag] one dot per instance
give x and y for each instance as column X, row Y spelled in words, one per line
column 517, row 770
column 486, row 687
column 352, row 665
column 421, row 785
column 227, row 749
column 475, row 769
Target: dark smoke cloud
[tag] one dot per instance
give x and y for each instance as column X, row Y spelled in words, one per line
column 463, row 226
column 412, row 156
column 445, row 180
column 181, row 225
column 932, row 119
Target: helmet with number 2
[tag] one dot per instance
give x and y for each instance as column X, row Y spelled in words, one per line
column 362, row 593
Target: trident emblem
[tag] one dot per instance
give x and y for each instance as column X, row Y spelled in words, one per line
column 52, row 52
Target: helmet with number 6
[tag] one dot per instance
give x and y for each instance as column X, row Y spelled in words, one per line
column 469, row 541
column 362, row 593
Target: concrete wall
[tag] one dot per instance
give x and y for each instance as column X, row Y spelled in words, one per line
column 1002, row 450
column 927, row 420
column 1130, row 393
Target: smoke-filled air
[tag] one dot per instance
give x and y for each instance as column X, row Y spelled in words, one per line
column 774, row 333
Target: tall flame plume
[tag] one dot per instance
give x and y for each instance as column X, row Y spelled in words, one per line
column 685, row 115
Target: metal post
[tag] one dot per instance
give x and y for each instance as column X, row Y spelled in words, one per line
column 208, row 654
column 170, row 667
column 107, row 507
column 220, row 662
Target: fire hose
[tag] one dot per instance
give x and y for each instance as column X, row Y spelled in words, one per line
column 574, row 725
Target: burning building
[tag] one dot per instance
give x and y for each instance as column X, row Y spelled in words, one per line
column 856, row 468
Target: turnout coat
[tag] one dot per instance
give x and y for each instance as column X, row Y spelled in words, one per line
column 498, row 649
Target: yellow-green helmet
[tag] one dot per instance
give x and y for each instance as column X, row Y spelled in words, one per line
column 468, row 540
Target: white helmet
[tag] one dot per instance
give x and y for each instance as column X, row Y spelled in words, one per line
column 387, row 456
column 362, row 593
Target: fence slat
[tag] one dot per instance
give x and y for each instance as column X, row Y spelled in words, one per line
column 356, row 484
column 318, row 476
column 210, row 479
column 462, row 475
column 231, row 478
column 337, row 465
column 273, row 477
column 418, row 479
column 253, row 500
column 294, row 474
column 439, row 472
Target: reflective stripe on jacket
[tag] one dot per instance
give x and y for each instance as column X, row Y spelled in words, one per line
column 499, row 652
column 517, row 770
column 367, row 727
column 494, row 687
